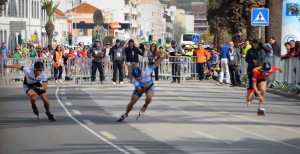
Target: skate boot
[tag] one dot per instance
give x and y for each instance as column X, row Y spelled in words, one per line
column 122, row 117
column 50, row 116
column 248, row 103
column 142, row 111
column 35, row 111
column 261, row 111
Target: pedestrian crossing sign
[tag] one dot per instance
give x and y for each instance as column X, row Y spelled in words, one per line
column 260, row 17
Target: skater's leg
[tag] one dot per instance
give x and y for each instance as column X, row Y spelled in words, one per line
column 32, row 96
column 149, row 95
column 44, row 98
column 133, row 100
column 262, row 87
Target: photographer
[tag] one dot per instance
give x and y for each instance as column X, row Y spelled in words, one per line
column 97, row 54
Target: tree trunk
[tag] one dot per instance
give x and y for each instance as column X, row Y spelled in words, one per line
column 49, row 27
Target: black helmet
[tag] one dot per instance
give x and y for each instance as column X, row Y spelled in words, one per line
column 38, row 65
column 266, row 67
column 136, row 72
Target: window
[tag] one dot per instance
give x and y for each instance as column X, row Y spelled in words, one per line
column 1, row 36
column 5, row 36
column 26, row 10
column 12, row 9
column 19, row 8
column 38, row 10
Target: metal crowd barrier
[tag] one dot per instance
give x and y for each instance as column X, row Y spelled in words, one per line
column 181, row 67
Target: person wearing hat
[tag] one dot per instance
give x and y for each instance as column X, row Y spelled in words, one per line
column 260, row 74
column 117, row 53
column 98, row 58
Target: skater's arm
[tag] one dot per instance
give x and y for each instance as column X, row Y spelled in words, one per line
column 159, row 60
column 13, row 66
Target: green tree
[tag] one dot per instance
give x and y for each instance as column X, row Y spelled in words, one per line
column 50, row 8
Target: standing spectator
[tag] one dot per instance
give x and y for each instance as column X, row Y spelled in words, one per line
column 246, row 46
column 117, row 54
column 233, row 57
column 175, row 52
column 32, row 52
column 202, row 56
column 255, row 57
column 98, row 57
column 58, row 63
column 132, row 57
column 267, row 49
column 16, row 55
column 4, row 53
column 153, row 54
column 224, row 64
column 39, row 51
column 107, row 63
column 143, row 50
column 275, row 46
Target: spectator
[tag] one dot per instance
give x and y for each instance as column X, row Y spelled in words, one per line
column 255, row 57
column 17, row 55
column 144, row 52
column 58, row 63
column 98, row 57
column 224, row 64
column 275, row 46
column 39, row 51
column 292, row 52
column 246, row 46
column 117, row 54
column 234, row 58
column 132, row 58
column 32, row 52
column 202, row 56
column 107, row 63
column 153, row 55
column 4, row 52
column 175, row 52
column 267, row 49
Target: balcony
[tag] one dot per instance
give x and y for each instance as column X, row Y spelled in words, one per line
column 127, row 9
column 134, row 24
column 201, row 25
column 134, row 11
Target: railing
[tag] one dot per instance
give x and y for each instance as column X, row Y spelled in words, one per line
column 182, row 68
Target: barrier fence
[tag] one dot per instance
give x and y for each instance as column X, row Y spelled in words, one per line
column 182, row 68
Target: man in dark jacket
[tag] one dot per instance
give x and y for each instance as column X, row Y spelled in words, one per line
column 255, row 57
column 98, row 58
column 132, row 57
column 275, row 46
column 234, row 58
column 117, row 54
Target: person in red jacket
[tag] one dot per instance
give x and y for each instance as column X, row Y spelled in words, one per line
column 259, row 84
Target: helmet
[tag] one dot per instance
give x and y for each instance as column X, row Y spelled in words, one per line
column 266, row 67
column 136, row 72
column 38, row 65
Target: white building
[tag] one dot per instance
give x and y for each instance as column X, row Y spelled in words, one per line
column 22, row 17
column 151, row 20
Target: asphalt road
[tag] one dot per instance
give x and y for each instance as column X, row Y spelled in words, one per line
column 192, row 118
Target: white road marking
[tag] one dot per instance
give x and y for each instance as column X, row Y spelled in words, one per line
column 88, row 122
column 212, row 138
column 63, row 97
column 87, row 128
column 134, row 150
column 62, row 93
column 230, row 126
column 68, row 103
column 76, row 112
column 108, row 135
column 62, row 89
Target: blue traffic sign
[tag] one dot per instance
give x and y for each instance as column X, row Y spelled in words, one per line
column 196, row 38
column 260, row 17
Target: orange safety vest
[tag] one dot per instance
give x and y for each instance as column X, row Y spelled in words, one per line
column 202, row 55
column 59, row 59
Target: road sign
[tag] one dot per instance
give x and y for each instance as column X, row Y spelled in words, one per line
column 260, row 17
column 196, row 38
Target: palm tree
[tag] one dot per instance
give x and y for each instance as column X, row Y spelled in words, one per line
column 50, row 8
column 2, row 3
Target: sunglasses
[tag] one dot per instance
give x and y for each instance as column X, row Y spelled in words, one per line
column 39, row 70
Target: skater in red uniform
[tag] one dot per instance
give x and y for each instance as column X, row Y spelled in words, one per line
column 258, row 83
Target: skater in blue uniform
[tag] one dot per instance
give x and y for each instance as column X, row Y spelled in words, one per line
column 143, row 83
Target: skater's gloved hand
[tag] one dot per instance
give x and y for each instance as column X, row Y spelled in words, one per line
column 36, row 89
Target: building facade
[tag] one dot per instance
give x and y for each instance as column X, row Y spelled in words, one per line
column 24, row 19
column 199, row 10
